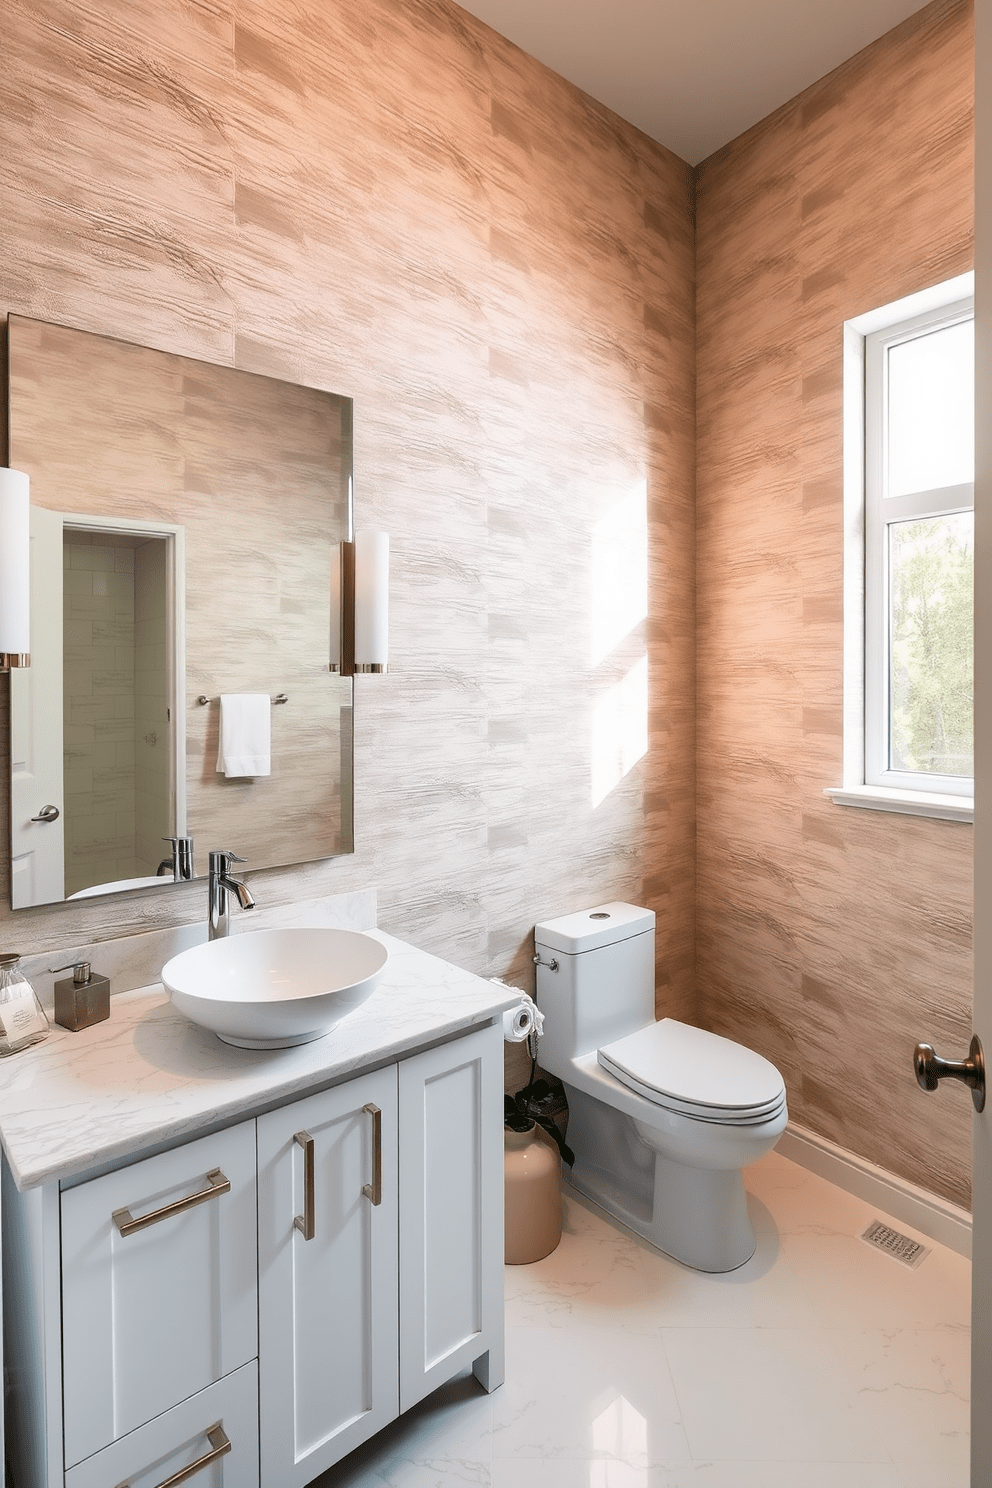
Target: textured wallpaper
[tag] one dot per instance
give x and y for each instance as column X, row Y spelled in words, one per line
column 829, row 938
column 389, row 201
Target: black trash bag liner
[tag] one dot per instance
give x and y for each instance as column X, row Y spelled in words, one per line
column 529, row 1107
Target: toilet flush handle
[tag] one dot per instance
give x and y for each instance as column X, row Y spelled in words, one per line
column 552, row 965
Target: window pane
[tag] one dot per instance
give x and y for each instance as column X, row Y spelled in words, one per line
column 931, row 594
column 932, row 410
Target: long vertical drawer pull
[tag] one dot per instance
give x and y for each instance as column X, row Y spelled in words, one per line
column 220, row 1445
column 373, row 1190
column 217, row 1184
column 305, row 1222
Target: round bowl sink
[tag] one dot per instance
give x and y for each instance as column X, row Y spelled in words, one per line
column 270, row 989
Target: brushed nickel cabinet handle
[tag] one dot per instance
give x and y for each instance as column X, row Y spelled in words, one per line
column 305, row 1222
column 220, row 1445
column 217, row 1184
column 373, row 1190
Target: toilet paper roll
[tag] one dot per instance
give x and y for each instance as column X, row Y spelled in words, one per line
column 518, row 1022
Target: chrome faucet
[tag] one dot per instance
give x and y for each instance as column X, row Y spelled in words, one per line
column 180, row 865
column 221, row 884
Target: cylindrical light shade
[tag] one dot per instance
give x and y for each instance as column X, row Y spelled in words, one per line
column 15, row 568
column 371, row 601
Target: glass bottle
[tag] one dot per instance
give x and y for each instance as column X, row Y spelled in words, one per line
column 22, row 1017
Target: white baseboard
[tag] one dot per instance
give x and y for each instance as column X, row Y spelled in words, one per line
column 931, row 1216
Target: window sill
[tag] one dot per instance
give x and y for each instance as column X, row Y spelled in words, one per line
column 909, row 803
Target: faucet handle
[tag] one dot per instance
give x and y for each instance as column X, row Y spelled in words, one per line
column 182, row 858
column 221, row 857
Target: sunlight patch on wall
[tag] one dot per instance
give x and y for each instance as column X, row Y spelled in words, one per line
column 619, row 572
column 619, row 730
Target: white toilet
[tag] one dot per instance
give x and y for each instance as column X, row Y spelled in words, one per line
column 663, row 1116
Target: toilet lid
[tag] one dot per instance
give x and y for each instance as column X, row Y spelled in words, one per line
column 696, row 1072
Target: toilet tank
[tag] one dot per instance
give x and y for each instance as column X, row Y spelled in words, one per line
column 604, row 985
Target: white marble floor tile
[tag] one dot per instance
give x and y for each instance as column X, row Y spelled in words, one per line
column 769, row 1394
column 587, row 1394
column 445, row 1440
column 820, row 1363
column 915, row 1388
column 534, row 1473
column 802, row 1202
column 604, row 1277
column 802, row 1475
column 850, row 1284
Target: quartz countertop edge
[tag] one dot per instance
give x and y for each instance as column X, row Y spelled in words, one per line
column 147, row 1075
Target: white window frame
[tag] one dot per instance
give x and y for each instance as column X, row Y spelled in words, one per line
column 868, row 512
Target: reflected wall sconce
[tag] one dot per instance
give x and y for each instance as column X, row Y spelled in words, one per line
column 359, row 639
column 15, row 569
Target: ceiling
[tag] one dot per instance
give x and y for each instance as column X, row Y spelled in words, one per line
column 692, row 74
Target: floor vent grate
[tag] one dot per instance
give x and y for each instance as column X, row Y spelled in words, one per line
column 900, row 1247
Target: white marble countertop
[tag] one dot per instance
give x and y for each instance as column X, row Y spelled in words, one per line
column 148, row 1076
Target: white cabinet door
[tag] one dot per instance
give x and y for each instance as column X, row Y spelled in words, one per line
column 451, row 1202
column 213, row 1438
column 153, row 1315
column 327, row 1304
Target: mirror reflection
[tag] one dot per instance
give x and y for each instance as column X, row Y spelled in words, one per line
column 183, row 521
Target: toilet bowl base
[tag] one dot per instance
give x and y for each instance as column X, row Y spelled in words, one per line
column 698, row 1216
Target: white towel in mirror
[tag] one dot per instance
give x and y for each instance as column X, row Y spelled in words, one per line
column 245, row 741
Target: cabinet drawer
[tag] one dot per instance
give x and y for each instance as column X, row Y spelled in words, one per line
column 184, row 1436
column 154, row 1314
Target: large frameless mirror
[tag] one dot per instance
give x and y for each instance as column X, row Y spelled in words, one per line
column 184, row 520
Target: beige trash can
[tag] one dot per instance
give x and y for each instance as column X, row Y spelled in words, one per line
column 532, row 1177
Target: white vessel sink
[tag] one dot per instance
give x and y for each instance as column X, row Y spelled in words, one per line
column 270, row 989
column 119, row 884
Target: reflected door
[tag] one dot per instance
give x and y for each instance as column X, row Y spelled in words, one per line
column 37, row 845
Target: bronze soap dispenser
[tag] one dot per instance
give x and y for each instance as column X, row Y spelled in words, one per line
column 82, row 999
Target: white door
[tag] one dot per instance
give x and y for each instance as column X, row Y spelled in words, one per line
column 327, row 1286
column 981, row 1385
column 37, row 846
column 451, row 1201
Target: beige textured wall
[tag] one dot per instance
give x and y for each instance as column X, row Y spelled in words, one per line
column 389, row 201
column 829, row 938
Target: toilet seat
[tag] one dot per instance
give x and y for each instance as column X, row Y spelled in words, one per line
column 696, row 1074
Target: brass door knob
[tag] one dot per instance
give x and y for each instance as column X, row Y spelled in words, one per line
column 931, row 1069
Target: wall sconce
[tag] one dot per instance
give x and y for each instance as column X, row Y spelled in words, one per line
column 371, row 601
column 359, row 639
column 15, row 569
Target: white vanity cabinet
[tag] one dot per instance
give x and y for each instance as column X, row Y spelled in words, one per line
column 243, row 1310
